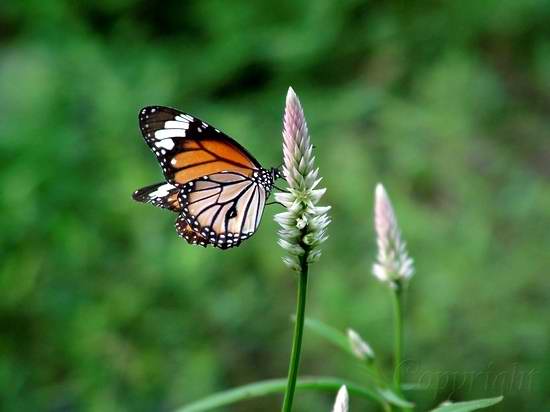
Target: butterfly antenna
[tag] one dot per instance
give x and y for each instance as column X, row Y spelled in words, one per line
column 274, row 203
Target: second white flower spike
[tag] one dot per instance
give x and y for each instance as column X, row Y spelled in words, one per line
column 393, row 263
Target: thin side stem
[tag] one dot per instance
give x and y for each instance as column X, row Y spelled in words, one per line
column 297, row 339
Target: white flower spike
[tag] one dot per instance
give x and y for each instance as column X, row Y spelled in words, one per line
column 342, row 400
column 304, row 224
column 393, row 265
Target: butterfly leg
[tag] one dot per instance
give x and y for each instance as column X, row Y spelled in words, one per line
column 274, row 203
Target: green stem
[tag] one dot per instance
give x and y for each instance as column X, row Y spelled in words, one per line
column 398, row 300
column 297, row 339
column 398, row 336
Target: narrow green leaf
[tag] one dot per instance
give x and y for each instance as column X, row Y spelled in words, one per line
column 394, row 398
column 409, row 386
column 272, row 386
column 469, row 405
column 329, row 333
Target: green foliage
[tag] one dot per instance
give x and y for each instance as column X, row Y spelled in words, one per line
column 469, row 405
column 103, row 308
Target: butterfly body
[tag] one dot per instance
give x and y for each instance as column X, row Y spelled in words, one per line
column 215, row 185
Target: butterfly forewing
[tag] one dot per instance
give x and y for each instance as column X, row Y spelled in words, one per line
column 188, row 148
column 163, row 195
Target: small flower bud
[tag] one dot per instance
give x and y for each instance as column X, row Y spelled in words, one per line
column 359, row 347
column 342, row 400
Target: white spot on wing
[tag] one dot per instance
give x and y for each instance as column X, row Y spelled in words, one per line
column 184, row 118
column 162, row 191
column 169, row 133
column 174, row 124
column 166, row 143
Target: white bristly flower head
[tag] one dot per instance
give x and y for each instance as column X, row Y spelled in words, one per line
column 359, row 347
column 342, row 400
column 304, row 224
column 393, row 265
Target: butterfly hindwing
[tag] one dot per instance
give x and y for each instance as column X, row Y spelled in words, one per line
column 186, row 232
column 188, row 148
column 224, row 208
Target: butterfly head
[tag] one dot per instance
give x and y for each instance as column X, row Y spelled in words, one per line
column 276, row 173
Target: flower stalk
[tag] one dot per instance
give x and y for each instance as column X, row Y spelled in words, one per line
column 303, row 224
column 297, row 340
column 397, row 295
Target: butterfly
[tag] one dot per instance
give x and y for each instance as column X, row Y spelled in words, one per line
column 218, row 189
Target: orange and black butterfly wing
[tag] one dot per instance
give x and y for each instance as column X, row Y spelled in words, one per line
column 163, row 195
column 188, row 148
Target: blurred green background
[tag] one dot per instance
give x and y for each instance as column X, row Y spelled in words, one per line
column 103, row 308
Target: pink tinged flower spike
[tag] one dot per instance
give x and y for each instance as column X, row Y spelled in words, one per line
column 342, row 400
column 393, row 265
column 304, row 224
